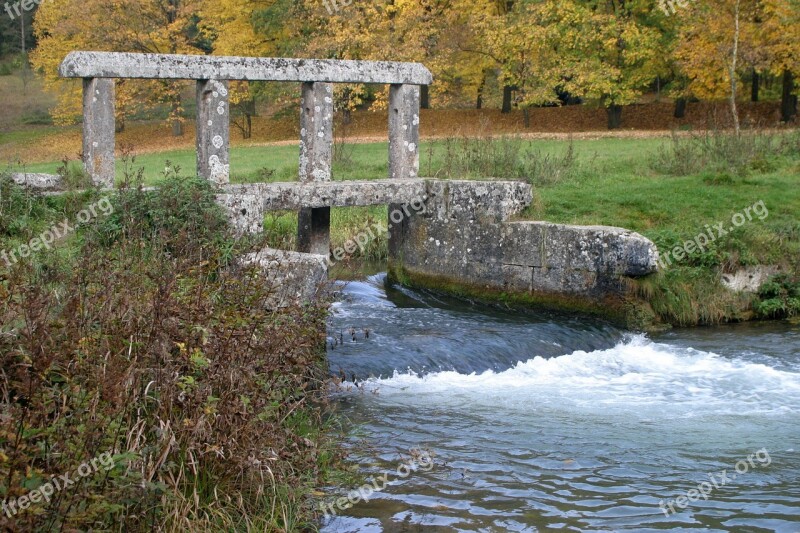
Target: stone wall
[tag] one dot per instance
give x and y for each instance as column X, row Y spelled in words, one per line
column 467, row 241
column 296, row 278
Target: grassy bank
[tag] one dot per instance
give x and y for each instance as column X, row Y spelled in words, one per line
column 135, row 351
column 668, row 189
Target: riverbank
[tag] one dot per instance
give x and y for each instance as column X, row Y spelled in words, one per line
column 142, row 362
column 673, row 190
column 722, row 211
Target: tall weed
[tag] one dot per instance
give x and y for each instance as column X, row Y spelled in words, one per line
column 153, row 345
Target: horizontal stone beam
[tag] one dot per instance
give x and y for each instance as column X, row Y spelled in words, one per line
column 246, row 204
column 39, row 182
column 294, row 195
column 198, row 67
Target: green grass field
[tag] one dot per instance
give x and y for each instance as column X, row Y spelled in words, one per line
column 360, row 161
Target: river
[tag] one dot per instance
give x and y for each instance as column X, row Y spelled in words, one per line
column 550, row 422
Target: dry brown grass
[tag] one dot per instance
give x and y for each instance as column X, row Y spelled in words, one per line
column 577, row 122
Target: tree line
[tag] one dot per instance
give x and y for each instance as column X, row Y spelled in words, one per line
column 527, row 52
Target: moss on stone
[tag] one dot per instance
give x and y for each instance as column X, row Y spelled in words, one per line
column 629, row 312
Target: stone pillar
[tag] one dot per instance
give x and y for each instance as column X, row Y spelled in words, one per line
column 213, row 131
column 99, row 130
column 316, row 160
column 404, row 110
column 404, row 105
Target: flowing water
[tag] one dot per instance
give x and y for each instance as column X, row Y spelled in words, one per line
column 547, row 422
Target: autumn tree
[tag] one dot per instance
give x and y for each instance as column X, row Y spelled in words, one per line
column 718, row 46
column 437, row 33
column 147, row 26
column 780, row 40
column 525, row 43
column 251, row 28
column 612, row 51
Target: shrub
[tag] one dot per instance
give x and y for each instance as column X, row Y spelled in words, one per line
column 778, row 298
column 506, row 158
column 155, row 347
column 20, row 211
column 182, row 209
column 722, row 153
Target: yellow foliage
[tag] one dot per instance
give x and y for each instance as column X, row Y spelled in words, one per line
column 706, row 42
column 155, row 26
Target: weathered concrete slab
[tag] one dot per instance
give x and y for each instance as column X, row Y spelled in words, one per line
column 465, row 238
column 39, row 182
column 603, row 250
column 197, row 67
column 296, row 278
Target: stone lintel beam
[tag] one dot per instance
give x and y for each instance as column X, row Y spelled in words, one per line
column 198, row 67
column 213, row 131
column 294, row 196
column 99, row 130
column 484, row 200
column 39, row 182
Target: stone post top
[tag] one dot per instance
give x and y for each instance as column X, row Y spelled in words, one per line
column 200, row 67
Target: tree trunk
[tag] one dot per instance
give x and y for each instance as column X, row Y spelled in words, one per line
column 788, row 100
column 732, row 69
column 177, row 125
column 614, row 116
column 177, row 128
column 508, row 93
column 22, row 46
column 481, row 87
column 425, row 97
column 754, row 89
column 680, row 108
column 527, row 117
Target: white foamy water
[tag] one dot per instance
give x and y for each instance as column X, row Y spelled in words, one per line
column 545, row 422
column 636, row 375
